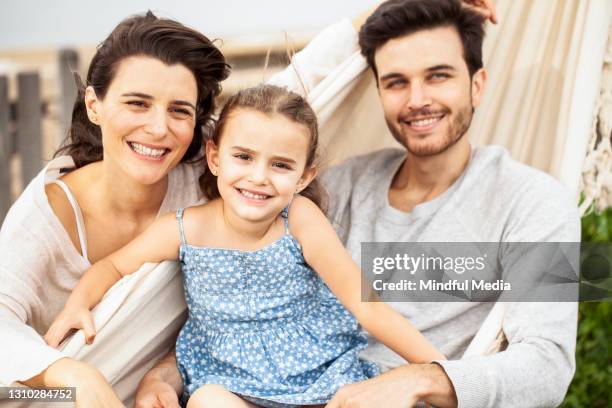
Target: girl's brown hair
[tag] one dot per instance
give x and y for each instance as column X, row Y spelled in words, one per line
column 163, row 39
column 270, row 99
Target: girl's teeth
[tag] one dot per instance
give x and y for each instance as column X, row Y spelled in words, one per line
column 248, row 194
column 147, row 151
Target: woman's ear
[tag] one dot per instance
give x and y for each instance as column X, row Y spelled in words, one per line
column 309, row 174
column 92, row 105
column 212, row 156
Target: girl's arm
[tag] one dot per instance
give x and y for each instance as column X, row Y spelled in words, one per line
column 324, row 252
column 159, row 242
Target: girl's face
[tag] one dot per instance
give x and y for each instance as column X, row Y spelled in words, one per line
column 260, row 163
column 147, row 117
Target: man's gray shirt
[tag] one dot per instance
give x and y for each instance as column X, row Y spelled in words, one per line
column 496, row 199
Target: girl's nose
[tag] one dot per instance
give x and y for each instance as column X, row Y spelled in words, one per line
column 258, row 175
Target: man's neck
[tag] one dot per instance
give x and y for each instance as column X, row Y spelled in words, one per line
column 421, row 179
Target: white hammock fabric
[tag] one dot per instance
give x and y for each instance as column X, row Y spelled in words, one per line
column 544, row 63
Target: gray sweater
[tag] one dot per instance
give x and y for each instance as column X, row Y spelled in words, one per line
column 495, row 200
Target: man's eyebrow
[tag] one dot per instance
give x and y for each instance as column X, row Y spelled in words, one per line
column 392, row 75
column 441, row 67
column 149, row 97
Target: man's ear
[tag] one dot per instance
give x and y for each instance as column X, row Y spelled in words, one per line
column 92, row 105
column 309, row 174
column 479, row 80
column 212, row 156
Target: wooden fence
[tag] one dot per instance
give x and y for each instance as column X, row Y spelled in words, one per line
column 21, row 133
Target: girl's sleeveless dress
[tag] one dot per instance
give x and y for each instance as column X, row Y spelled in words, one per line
column 263, row 325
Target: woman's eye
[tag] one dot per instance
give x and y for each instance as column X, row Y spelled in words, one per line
column 139, row 104
column 181, row 111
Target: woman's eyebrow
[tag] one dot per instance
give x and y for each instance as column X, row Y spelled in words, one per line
column 149, row 97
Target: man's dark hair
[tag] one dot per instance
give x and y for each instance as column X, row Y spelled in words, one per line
column 396, row 18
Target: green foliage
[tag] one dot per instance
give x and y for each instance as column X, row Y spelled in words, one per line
column 592, row 383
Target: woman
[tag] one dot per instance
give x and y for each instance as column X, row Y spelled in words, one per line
column 131, row 155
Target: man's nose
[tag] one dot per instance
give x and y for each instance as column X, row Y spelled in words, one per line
column 419, row 96
column 157, row 122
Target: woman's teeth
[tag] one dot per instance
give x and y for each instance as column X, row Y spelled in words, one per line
column 253, row 196
column 146, row 151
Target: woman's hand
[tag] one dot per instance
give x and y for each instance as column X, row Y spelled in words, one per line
column 92, row 389
column 71, row 318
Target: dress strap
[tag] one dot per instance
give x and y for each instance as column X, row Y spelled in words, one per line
column 80, row 224
column 285, row 215
column 179, row 217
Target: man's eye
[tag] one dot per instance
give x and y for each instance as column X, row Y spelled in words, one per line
column 398, row 83
column 439, row 76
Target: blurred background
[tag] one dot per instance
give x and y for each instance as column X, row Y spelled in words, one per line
column 42, row 43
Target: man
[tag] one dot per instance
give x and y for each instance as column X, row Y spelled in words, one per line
column 426, row 58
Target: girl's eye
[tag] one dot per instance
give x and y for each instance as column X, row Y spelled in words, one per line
column 281, row 165
column 242, row 156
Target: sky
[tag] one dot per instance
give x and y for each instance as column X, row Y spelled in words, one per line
column 35, row 24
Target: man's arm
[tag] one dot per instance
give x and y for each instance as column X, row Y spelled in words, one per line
column 401, row 387
column 161, row 386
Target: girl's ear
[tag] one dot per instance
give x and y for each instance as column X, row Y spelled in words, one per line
column 308, row 175
column 212, row 156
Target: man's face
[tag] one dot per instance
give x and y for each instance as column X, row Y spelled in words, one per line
column 426, row 90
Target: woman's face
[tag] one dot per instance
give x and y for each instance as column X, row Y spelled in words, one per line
column 147, row 117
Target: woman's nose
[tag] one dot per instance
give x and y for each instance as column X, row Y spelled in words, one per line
column 157, row 123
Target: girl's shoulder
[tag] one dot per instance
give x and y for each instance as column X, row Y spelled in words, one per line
column 303, row 213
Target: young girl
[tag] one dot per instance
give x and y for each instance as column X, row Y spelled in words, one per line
column 262, row 328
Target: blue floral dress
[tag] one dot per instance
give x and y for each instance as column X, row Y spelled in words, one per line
column 263, row 325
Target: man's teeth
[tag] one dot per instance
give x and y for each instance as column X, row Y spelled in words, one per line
column 424, row 122
column 147, row 151
column 248, row 194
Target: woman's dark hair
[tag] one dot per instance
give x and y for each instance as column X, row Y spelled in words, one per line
column 396, row 18
column 271, row 100
column 163, row 39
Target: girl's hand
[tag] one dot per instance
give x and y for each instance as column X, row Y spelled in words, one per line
column 485, row 8
column 71, row 318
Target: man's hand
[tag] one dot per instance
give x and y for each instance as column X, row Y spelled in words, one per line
column 160, row 387
column 402, row 387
